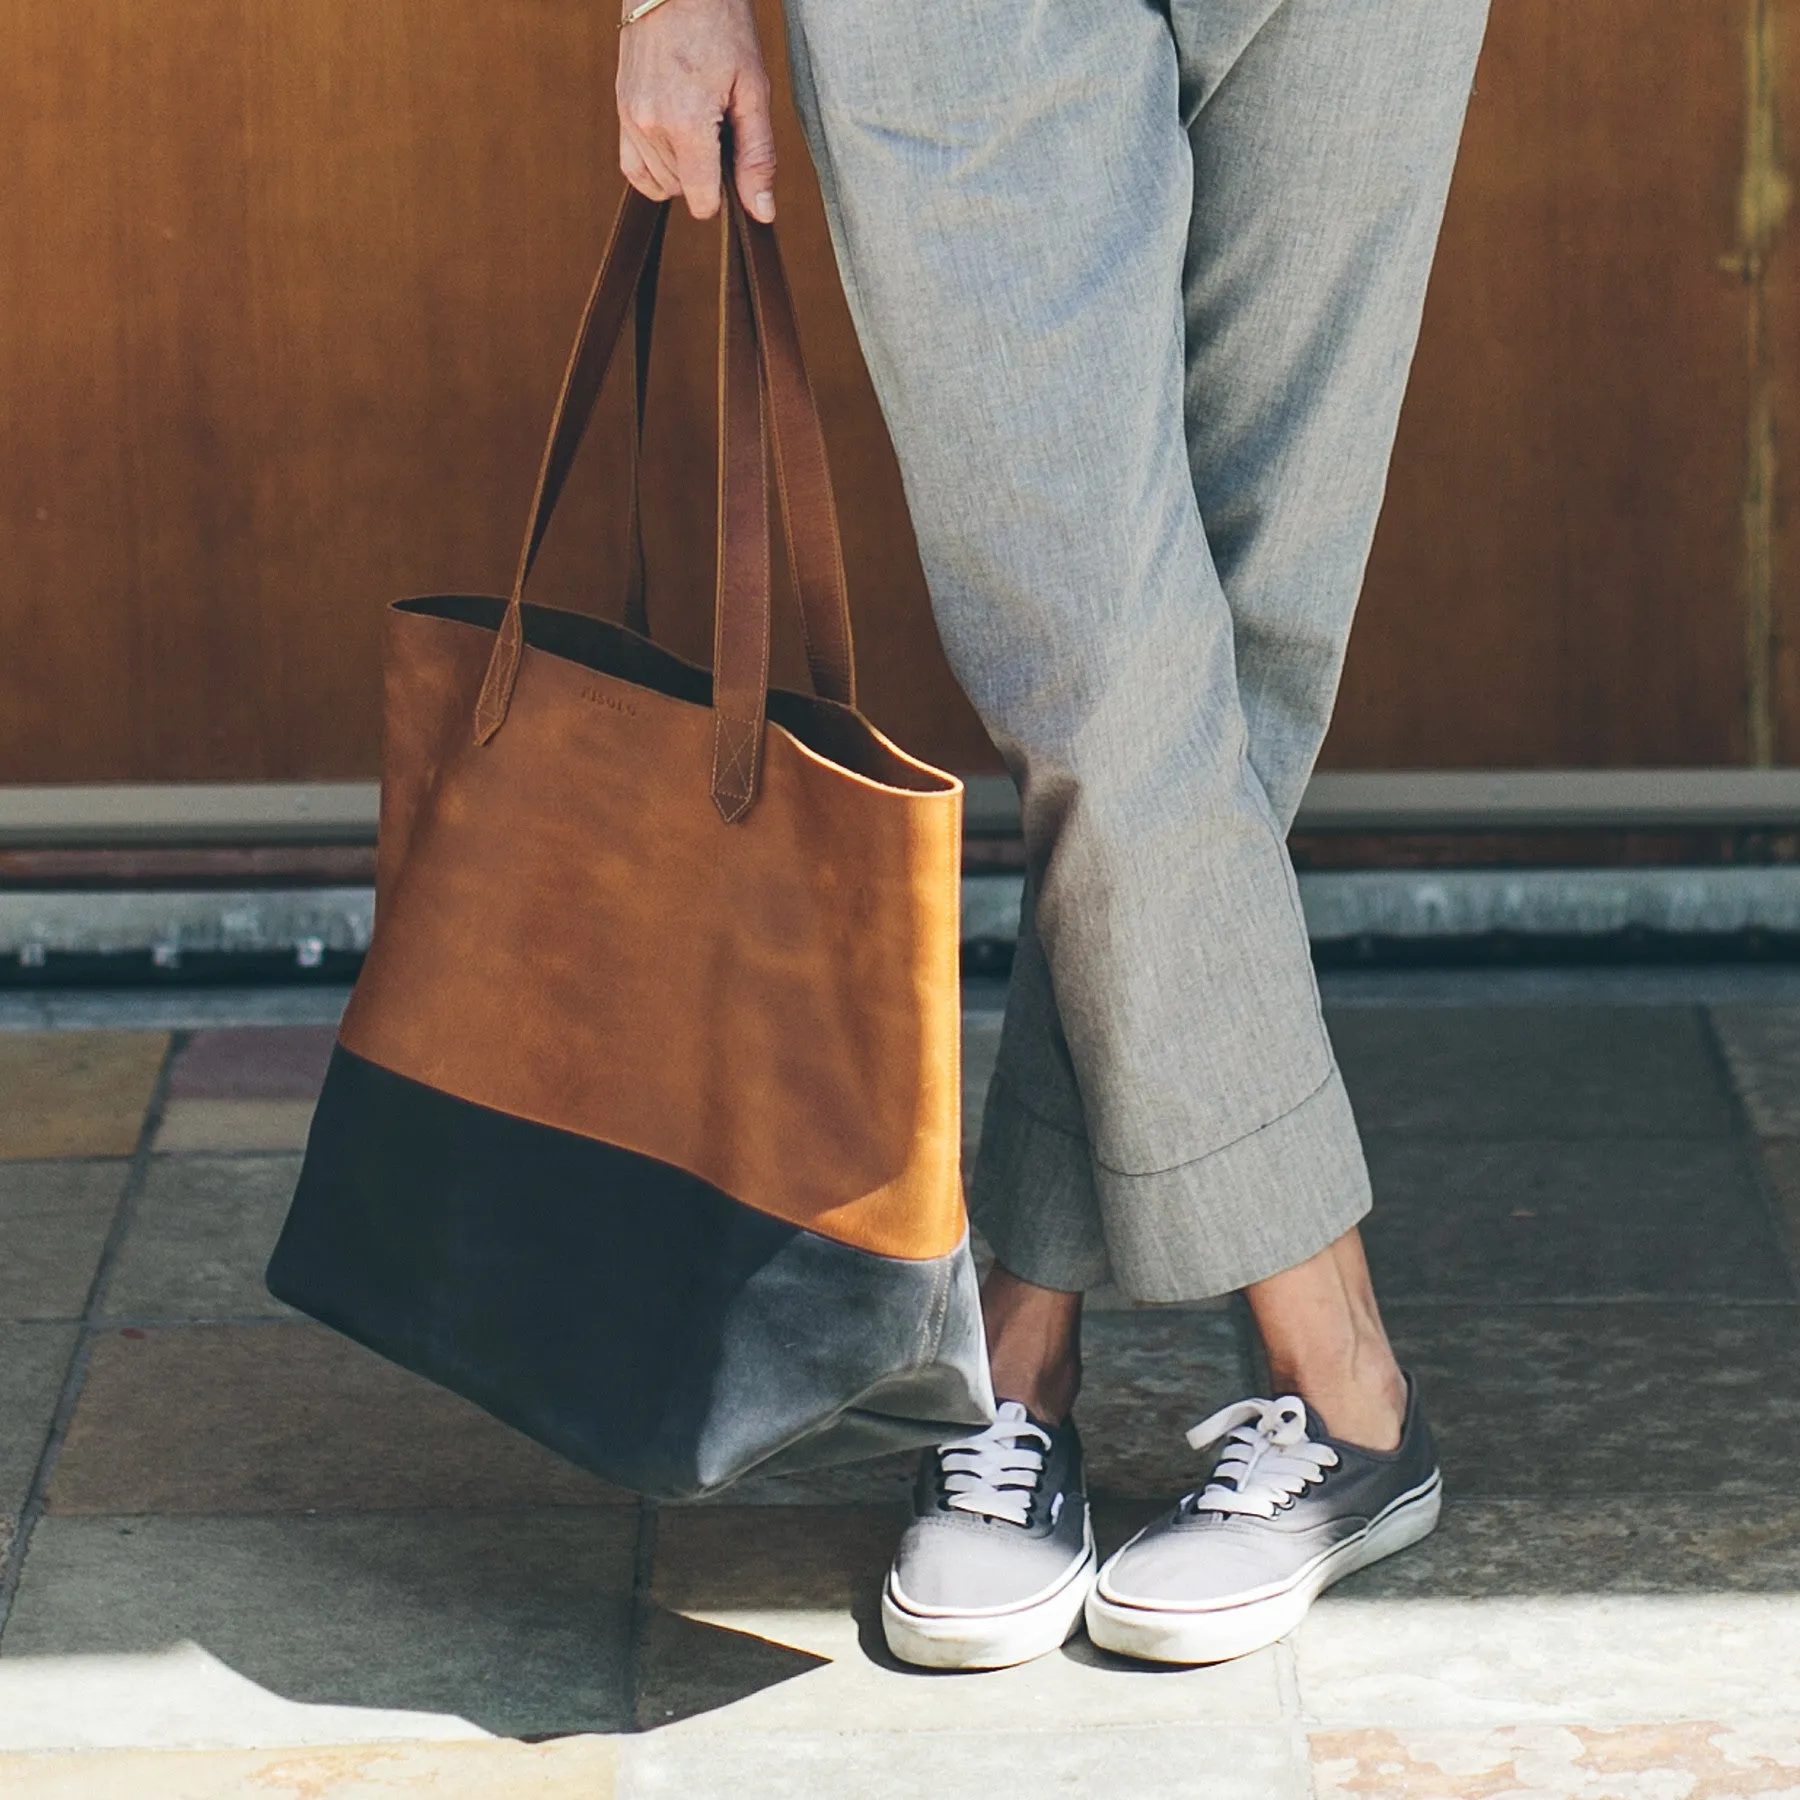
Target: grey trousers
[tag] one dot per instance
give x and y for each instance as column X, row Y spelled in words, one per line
column 1139, row 288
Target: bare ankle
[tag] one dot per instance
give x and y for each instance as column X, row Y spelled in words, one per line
column 1360, row 1401
column 1047, row 1394
column 1034, row 1344
column 1325, row 1341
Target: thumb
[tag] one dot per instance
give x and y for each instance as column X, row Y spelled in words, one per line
column 753, row 143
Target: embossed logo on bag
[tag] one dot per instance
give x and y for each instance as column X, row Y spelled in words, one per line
column 598, row 696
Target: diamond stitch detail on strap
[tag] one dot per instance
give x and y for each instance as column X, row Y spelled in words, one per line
column 734, row 767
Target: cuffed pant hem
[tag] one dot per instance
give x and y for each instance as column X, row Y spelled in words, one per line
column 1243, row 1213
column 1033, row 1198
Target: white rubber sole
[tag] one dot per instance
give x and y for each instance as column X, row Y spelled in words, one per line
column 989, row 1640
column 1217, row 1634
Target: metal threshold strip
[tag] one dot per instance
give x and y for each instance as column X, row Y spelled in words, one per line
column 132, row 813
column 198, row 812
column 323, row 931
column 319, row 932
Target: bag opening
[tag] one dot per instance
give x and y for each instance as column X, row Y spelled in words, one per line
column 836, row 732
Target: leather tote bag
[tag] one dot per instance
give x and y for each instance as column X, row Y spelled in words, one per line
column 642, row 1128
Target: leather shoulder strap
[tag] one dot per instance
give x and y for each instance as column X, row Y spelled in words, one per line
column 802, row 475
column 766, row 399
column 637, row 225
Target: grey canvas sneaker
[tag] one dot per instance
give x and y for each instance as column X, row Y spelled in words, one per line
column 1000, row 1554
column 1288, row 1511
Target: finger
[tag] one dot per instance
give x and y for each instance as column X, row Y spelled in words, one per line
column 657, row 164
column 695, row 148
column 638, row 172
column 753, row 134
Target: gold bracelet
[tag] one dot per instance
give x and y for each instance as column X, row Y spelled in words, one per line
column 637, row 12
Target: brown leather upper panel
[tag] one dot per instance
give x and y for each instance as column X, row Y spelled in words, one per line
column 569, row 932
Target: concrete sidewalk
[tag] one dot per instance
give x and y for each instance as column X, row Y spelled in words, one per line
column 246, row 1558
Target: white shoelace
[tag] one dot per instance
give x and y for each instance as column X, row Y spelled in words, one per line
column 996, row 1472
column 1268, row 1458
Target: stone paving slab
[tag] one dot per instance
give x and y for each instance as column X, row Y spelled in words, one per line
column 1781, row 1174
column 76, row 1093
column 1594, row 1218
column 287, row 1418
column 181, row 1696
column 1473, row 1073
column 515, row 1623
column 882, row 1480
column 1695, row 1761
column 1574, row 1659
column 54, row 1218
column 1624, row 1398
column 200, row 1237
column 34, row 1359
column 576, row 1768
column 253, row 1062
column 1613, row 1544
column 1151, row 1375
column 233, row 1125
column 1005, row 1757
column 769, row 1620
column 1762, row 1047
column 176, row 1008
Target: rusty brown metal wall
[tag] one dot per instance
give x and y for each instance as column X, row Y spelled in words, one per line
column 285, row 287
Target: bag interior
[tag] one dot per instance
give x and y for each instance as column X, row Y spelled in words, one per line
column 836, row 732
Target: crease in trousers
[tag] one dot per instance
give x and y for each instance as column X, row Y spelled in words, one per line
column 1139, row 288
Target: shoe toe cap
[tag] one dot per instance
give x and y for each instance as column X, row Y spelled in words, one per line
column 1198, row 1566
column 969, row 1568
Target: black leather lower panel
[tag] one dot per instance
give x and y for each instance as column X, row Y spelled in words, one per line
column 623, row 1312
